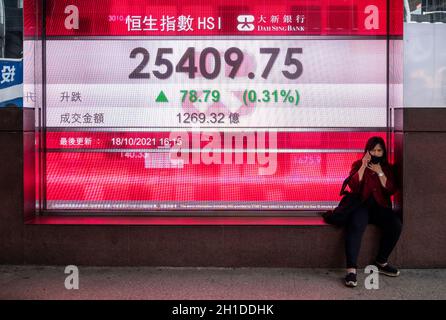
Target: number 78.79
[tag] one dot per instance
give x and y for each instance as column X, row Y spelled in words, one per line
column 233, row 57
column 207, row 96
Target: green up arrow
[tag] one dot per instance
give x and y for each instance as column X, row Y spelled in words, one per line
column 161, row 97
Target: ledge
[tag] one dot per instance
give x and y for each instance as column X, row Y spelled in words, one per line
column 179, row 221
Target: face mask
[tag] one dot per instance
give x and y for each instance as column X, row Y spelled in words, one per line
column 376, row 160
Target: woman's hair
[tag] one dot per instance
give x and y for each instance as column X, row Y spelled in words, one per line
column 372, row 142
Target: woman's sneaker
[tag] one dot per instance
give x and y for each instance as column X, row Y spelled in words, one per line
column 388, row 270
column 350, row 280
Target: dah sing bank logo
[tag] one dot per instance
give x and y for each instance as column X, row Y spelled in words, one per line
column 245, row 23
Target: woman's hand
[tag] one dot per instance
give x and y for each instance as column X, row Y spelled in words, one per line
column 375, row 167
column 366, row 160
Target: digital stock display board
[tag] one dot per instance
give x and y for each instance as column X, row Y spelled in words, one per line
column 204, row 105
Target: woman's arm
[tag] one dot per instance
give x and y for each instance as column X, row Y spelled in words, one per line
column 365, row 161
column 361, row 172
column 382, row 179
column 355, row 181
column 389, row 183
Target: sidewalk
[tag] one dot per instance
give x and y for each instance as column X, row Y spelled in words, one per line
column 47, row 282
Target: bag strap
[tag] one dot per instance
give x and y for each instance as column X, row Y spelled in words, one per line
column 346, row 181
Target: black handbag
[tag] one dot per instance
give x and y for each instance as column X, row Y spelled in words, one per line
column 348, row 204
